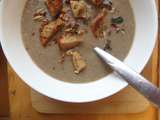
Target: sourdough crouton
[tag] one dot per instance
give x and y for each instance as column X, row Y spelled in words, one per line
column 77, row 61
column 79, row 8
column 69, row 41
column 97, row 24
column 54, row 6
column 67, row 16
column 49, row 30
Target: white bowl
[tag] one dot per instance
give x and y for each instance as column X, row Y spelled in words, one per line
column 10, row 35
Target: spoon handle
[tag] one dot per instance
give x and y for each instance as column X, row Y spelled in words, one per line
column 146, row 88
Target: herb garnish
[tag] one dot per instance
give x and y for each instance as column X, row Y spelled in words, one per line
column 107, row 45
column 117, row 20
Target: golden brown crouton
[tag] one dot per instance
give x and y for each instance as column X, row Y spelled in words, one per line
column 79, row 8
column 49, row 30
column 97, row 2
column 67, row 16
column 69, row 41
column 77, row 60
column 98, row 23
column 54, row 6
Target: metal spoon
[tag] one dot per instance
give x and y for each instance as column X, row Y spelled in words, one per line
column 146, row 88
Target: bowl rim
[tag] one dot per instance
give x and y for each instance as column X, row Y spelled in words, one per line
column 77, row 98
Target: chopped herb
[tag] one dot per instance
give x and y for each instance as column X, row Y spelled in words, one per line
column 114, row 26
column 53, row 68
column 33, row 33
column 117, row 20
column 107, row 45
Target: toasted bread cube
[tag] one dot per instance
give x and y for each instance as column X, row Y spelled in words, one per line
column 98, row 23
column 49, row 30
column 67, row 16
column 54, row 6
column 69, row 41
column 79, row 8
column 78, row 62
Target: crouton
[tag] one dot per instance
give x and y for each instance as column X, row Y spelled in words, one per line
column 54, row 6
column 50, row 29
column 67, row 16
column 69, row 41
column 79, row 8
column 98, row 23
column 77, row 61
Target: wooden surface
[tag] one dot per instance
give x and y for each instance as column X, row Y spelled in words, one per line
column 126, row 101
column 4, row 98
column 21, row 108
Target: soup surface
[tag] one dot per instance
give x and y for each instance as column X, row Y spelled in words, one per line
column 117, row 29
